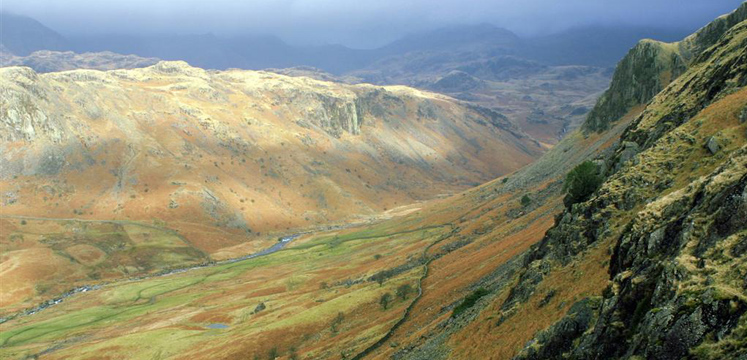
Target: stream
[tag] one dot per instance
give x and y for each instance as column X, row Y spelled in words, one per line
column 282, row 242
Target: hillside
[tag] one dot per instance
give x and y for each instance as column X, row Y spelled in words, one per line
column 226, row 160
column 483, row 64
column 650, row 263
column 677, row 240
column 321, row 297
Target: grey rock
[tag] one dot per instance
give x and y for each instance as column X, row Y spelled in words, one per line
column 713, row 145
column 629, row 150
column 259, row 308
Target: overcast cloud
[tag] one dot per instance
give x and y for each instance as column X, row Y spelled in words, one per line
column 356, row 23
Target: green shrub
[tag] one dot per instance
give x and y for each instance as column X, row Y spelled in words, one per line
column 403, row 291
column 385, row 300
column 469, row 301
column 525, row 201
column 335, row 326
column 581, row 182
column 274, row 353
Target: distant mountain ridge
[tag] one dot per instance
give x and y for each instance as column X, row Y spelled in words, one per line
column 544, row 84
column 51, row 61
column 23, row 35
column 578, row 46
column 595, row 45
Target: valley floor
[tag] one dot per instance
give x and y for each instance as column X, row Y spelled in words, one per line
column 318, row 297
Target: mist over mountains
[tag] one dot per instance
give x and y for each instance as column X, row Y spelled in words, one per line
column 590, row 45
column 459, row 192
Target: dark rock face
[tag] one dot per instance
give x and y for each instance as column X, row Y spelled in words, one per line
column 678, row 270
column 654, row 319
column 259, row 308
column 712, row 145
column 637, row 80
column 560, row 336
column 651, row 66
column 628, row 153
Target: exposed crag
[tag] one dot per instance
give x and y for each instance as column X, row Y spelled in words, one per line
column 652, row 65
column 673, row 214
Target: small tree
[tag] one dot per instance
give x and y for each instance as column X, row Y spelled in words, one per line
column 525, row 201
column 403, row 291
column 274, row 353
column 292, row 354
column 380, row 277
column 335, row 327
column 469, row 301
column 384, row 300
column 581, row 182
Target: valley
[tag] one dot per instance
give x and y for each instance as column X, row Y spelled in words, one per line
column 197, row 166
column 488, row 206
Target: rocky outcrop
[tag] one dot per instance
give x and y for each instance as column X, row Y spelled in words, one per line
column 44, row 61
column 678, row 277
column 678, row 263
column 650, row 66
column 336, row 117
column 706, row 37
column 642, row 74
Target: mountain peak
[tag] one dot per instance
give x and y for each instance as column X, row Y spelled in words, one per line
column 23, row 35
column 456, row 37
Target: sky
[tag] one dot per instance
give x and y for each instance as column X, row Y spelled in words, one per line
column 356, row 23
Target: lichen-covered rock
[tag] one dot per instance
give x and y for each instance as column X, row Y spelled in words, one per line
column 638, row 78
column 560, row 337
column 713, row 145
column 651, row 65
column 678, row 270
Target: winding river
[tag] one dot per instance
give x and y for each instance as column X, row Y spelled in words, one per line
column 282, row 242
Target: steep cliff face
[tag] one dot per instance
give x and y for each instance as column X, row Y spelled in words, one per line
column 652, row 65
column 672, row 216
column 646, row 70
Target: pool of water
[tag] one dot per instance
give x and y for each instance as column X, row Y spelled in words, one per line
column 217, row 326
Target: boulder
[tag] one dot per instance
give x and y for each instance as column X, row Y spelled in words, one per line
column 713, row 145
